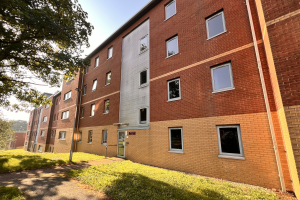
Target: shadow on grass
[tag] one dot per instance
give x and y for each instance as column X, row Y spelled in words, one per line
column 8, row 193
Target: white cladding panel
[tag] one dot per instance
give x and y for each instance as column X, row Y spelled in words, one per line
column 132, row 96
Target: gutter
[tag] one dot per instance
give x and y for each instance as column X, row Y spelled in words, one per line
column 79, row 110
column 283, row 188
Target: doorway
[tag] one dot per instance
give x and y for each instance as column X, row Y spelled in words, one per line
column 121, row 144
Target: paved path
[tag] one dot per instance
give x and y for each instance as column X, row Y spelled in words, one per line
column 50, row 183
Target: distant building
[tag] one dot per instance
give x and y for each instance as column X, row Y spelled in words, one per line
column 19, row 140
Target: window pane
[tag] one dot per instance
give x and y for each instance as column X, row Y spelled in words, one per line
column 176, row 139
column 215, row 25
column 144, row 44
column 104, row 136
column 84, row 90
column 94, row 85
column 108, row 78
column 106, row 106
column 172, row 46
column 97, row 62
column 174, row 89
column 82, row 112
column 143, row 114
column 170, row 10
column 229, row 140
column 143, row 77
column 222, row 77
column 110, row 52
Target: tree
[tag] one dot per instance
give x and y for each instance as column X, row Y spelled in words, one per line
column 39, row 40
column 6, row 132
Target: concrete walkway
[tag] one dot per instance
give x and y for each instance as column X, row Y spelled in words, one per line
column 50, row 183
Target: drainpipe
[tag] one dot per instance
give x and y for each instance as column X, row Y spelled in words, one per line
column 79, row 110
column 266, row 99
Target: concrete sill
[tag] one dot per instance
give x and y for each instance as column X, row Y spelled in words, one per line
column 144, row 85
column 232, row 157
column 172, row 55
column 105, row 113
column 89, row 143
column 174, row 99
column 176, row 152
column 224, row 90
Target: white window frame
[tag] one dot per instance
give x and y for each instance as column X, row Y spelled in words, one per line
column 147, row 80
column 140, row 44
column 62, row 135
column 106, row 111
column 178, row 98
column 140, row 121
column 94, row 85
column 168, row 4
column 67, row 95
column 231, row 78
column 107, row 78
column 104, row 143
column 108, row 52
column 42, row 133
column 96, row 62
column 93, row 108
column 65, row 115
column 45, row 119
column 169, row 40
column 224, row 24
column 231, row 155
column 84, row 90
column 175, row 150
column 90, row 131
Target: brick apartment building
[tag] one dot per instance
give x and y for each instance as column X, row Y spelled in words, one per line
column 19, row 141
column 206, row 87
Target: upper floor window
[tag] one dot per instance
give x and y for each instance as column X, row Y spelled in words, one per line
column 222, row 78
column 45, row 119
column 29, row 124
column 174, row 90
column 82, row 112
column 172, row 46
column 47, row 106
column 215, row 25
column 108, row 78
column 42, row 133
column 93, row 110
column 56, row 101
column 87, row 69
column 110, row 52
column 170, row 9
column 97, row 62
column 28, row 133
column 94, row 85
column 143, row 78
column 106, row 106
column 84, row 89
column 143, row 116
column 67, row 95
column 54, row 117
column 65, row 115
column 144, row 44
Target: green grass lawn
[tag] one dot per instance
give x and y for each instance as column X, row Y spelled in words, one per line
column 10, row 193
column 18, row 160
column 128, row 180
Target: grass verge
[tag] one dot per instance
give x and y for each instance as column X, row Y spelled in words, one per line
column 18, row 160
column 10, row 193
column 128, row 180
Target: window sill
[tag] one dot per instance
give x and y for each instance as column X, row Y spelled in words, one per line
column 109, row 58
column 94, row 90
column 223, row 90
column 105, row 113
column 104, row 144
column 216, row 35
column 61, row 139
column 79, row 142
column 172, row 55
column 176, row 152
column 81, row 117
column 64, row 119
column 232, row 157
column 141, row 52
column 89, row 143
column 92, row 115
column 144, row 85
column 170, row 16
column 174, row 99
column 107, row 84
column 67, row 99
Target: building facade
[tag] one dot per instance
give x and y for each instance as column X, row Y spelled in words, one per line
column 204, row 87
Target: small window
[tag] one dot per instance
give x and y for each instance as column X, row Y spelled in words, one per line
column 62, row 135
column 40, row 148
column 143, row 116
column 93, row 110
column 84, row 90
column 176, row 141
column 87, row 69
column 174, row 90
column 29, row 124
column 170, row 9
column 222, row 78
column 94, row 85
column 110, row 52
column 42, row 133
column 90, row 139
column 82, row 112
column 28, row 133
column 143, row 78
column 54, row 117
column 80, row 136
column 52, row 134
column 106, row 106
column 26, row 143
column 47, row 106
column 104, row 137
column 108, row 78
column 230, row 141
column 67, row 95
column 65, row 115
column 144, row 44
column 172, row 46
column 45, row 119
column 97, row 62
column 215, row 25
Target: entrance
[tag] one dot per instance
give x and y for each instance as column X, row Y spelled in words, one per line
column 121, row 144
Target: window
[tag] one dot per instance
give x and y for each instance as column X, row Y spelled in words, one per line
column 57, row 116
column 143, row 116
column 56, row 101
column 172, row 46
column 97, row 62
column 54, row 117
column 42, row 133
column 222, row 78
column 62, row 135
column 40, row 148
column 52, row 134
column 143, row 78
column 176, row 142
column 47, row 106
column 29, row 123
column 84, row 90
column 65, row 115
column 110, row 52
column 28, row 133
column 230, row 141
column 104, row 137
column 82, row 112
column 93, row 110
column 170, row 9
column 90, row 139
column 67, row 95
column 215, row 25
column 108, row 78
column 87, row 69
column 174, row 90
column 31, row 113
column 45, row 119
column 106, row 106
column 80, row 136
column 144, row 44
column 26, row 143
column 94, row 85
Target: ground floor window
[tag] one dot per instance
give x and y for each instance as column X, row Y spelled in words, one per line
column 80, row 136
column 90, row 138
column 40, row 148
column 62, row 135
column 230, row 141
column 104, row 137
column 176, row 142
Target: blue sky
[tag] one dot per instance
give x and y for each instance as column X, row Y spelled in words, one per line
column 106, row 16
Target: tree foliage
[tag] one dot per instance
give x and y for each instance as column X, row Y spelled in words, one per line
column 39, row 40
column 6, row 132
